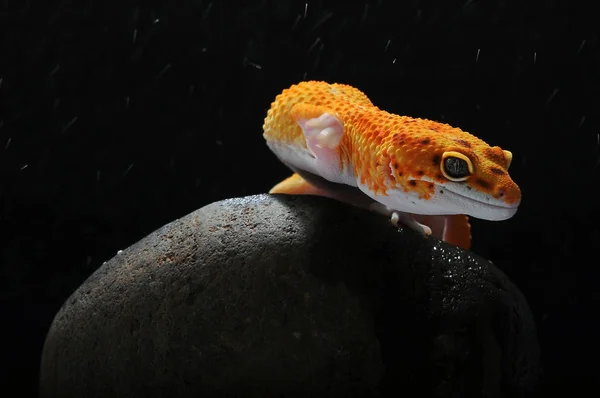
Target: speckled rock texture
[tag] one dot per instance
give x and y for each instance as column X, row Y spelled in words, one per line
column 284, row 296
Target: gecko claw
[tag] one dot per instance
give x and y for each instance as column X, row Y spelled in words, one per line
column 407, row 220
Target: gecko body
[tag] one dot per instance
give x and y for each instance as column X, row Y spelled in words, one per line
column 426, row 175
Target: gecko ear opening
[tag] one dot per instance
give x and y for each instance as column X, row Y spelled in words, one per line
column 508, row 158
column 456, row 166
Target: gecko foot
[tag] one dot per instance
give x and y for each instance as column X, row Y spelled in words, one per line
column 406, row 219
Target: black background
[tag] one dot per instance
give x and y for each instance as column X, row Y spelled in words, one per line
column 117, row 117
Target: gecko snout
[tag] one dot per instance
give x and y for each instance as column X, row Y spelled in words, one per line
column 509, row 193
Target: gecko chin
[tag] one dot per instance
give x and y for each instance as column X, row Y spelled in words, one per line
column 475, row 204
column 447, row 199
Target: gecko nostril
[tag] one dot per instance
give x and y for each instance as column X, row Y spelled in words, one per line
column 501, row 193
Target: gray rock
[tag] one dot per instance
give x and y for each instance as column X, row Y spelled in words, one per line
column 290, row 296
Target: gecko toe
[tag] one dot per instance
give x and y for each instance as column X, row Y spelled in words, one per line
column 408, row 221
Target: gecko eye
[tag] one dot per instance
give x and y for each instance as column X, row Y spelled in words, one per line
column 455, row 166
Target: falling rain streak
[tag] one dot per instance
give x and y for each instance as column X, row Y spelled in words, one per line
column 363, row 20
column 581, row 46
column 321, row 21
column 254, row 65
column 556, row 90
column 127, row 170
column 70, row 124
column 598, row 144
column 56, row 69
column 298, row 18
column 318, row 58
column 314, row 44
column 163, row 71
column 477, row 56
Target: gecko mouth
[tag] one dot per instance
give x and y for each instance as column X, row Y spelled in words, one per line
column 479, row 205
column 484, row 200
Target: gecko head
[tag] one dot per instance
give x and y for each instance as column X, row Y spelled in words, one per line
column 448, row 171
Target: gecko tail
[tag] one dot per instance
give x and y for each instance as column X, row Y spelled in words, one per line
column 296, row 185
column 458, row 231
column 452, row 229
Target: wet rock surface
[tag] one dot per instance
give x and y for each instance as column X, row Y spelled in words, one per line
column 273, row 295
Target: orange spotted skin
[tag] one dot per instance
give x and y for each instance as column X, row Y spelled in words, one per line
column 387, row 150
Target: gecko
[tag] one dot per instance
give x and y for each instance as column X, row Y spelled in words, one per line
column 422, row 174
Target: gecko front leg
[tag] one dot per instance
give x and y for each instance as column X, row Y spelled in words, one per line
column 407, row 220
column 399, row 217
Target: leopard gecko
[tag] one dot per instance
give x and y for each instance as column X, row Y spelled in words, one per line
column 426, row 175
